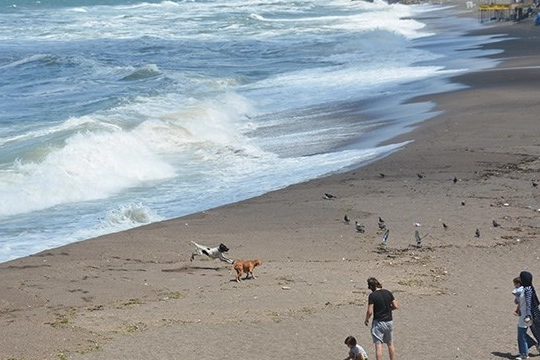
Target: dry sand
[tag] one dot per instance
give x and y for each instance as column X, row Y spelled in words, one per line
column 136, row 295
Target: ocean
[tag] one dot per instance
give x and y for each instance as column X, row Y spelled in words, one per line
column 120, row 113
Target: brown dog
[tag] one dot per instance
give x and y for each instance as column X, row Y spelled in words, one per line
column 245, row 266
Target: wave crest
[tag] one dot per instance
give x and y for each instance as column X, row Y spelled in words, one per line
column 146, row 72
column 130, row 215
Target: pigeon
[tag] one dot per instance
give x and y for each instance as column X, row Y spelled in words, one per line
column 477, row 233
column 385, row 237
column 381, row 224
column 495, row 224
column 346, row 219
column 417, row 237
column 455, row 180
column 359, row 227
column 382, row 175
column 444, row 226
column 329, row 196
column 420, row 176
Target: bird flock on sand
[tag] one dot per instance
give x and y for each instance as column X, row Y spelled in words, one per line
column 382, row 227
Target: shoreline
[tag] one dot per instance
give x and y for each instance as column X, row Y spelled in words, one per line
column 135, row 294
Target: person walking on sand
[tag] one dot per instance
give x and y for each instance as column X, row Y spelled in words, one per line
column 522, row 326
column 381, row 303
column 532, row 312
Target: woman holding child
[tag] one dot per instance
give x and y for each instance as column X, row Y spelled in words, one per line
column 523, row 324
column 529, row 314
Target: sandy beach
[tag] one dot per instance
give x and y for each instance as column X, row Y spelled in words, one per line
column 136, row 294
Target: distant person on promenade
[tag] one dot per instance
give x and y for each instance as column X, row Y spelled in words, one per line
column 381, row 303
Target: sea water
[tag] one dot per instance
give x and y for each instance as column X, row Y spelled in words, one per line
column 119, row 113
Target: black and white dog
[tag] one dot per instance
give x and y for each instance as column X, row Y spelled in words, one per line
column 213, row 253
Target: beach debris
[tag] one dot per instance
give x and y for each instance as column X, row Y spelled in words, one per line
column 463, row 203
column 381, row 175
column 385, row 237
column 417, row 224
column 420, row 176
column 534, row 183
column 286, row 288
column 444, row 226
column 329, row 196
column 455, row 180
column 495, row 224
column 477, row 233
column 359, row 227
column 346, row 219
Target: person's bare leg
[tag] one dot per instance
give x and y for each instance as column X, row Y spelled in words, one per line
column 378, row 351
column 391, row 351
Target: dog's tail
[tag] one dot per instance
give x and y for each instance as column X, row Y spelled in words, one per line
column 194, row 243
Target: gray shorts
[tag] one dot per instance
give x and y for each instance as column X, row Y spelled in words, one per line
column 382, row 332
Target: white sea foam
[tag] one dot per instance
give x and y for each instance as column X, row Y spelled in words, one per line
column 129, row 215
column 155, row 20
column 78, row 9
column 70, row 125
column 30, row 59
column 89, row 166
column 98, row 163
column 305, row 87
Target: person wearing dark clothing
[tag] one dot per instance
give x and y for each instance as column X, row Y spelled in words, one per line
column 532, row 312
column 381, row 303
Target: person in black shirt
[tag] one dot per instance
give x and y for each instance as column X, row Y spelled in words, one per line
column 381, row 303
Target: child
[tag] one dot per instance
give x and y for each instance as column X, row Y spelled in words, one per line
column 518, row 289
column 356, row 352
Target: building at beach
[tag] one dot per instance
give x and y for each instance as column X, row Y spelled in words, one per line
column 503, row 10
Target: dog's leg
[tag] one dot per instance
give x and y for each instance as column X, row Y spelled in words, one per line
column 195, row 253
column 250, row 272
column 225, row 259
column 239, row 273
